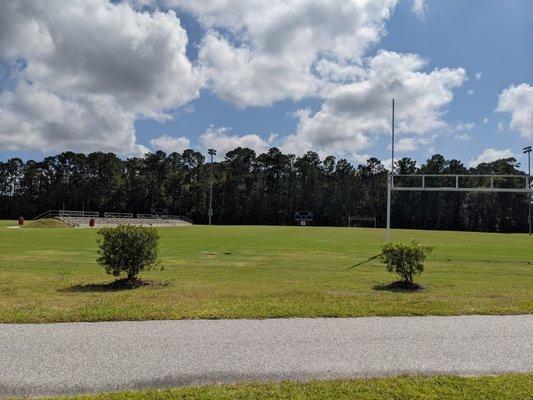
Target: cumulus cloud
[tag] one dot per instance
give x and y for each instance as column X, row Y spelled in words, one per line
column 257, row 52
column 223, row 140
column 409, row 144
column 518, row 101
column 97, row 58
column 478, row 75
column 354, row 114
column 419, row 7
column 464, row 126
column 490, row 155
column 99, row 66
column 38, row 119
column 170, row 144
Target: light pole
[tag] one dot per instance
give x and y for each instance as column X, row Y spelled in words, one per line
column 212, row 153
column 528, row 151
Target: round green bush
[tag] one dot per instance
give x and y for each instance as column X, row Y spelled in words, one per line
column 406, row 259
column 128, row 249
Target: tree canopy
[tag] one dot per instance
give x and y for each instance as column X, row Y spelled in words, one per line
column 255, row 189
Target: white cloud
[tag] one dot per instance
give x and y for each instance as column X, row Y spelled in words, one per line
column 478, row 75
column 518, row 101
column 463, row 137
column 387, row 163
column 117, row 63
column 354, row 114
column 464, row 126
column 92, row 56
column 257, row 52
column 459, row 131
column 485, row 120
column 406, row 144
column 32, row 118
column 223, row 141
column 470, row 92
column 490, row 155
column 419, row 7
column 410, row 144
column 170, row 144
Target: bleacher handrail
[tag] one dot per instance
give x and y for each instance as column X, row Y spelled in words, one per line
column 80, row 214
column 67, row 213
column 117, row 215
column 147, row 216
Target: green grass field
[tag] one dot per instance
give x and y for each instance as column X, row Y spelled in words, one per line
column 261, row 272
column 511, row 387
column 4, row 223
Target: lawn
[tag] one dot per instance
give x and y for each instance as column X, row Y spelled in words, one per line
column 513, row 387
column 50, row 275
column 4, row 223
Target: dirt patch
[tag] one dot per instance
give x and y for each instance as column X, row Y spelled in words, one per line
column 46, row 223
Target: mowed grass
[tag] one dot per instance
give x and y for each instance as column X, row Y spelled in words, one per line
column 5, row 222
column 262, row 272
column 515, row 387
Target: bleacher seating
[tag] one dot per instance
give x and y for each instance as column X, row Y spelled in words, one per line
column 82, row 219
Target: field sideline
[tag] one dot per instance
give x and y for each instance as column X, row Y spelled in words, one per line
column 50, row 275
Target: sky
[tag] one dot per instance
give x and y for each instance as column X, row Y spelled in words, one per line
column 145, row 75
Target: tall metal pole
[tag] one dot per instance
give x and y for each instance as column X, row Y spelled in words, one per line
column 529, row 186
column 528, row 150
column 389, row 179
column 212, row 153
column 387, row 234
column 392, row 144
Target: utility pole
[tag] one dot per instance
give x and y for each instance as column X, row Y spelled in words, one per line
column 212, row 153
column 389, row 180
column 530, row 199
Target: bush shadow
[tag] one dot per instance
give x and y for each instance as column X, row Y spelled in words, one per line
column 400, row 286
column 115, row 286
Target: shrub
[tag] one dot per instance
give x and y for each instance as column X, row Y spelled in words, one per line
column 129, row 249
column 405, row 259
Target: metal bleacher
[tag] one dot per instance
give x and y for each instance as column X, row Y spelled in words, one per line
column 82, row 219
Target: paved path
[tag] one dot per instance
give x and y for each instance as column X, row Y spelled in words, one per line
column 81, row 357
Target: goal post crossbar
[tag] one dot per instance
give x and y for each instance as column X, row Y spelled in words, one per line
column 457, row 179
column 526, row 187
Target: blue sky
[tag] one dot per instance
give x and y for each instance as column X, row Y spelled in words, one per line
column 491, row 37
column 486, row 45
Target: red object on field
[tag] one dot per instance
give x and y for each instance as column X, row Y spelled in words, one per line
column 91, row 222
column 21, row 220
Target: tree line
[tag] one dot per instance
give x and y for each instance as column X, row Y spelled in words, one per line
column 250, row 188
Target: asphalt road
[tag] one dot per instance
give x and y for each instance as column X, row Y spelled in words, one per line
column 52, row 359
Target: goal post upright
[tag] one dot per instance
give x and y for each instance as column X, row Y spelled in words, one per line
column 389, row 180
column 456, row 187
